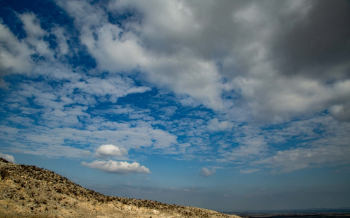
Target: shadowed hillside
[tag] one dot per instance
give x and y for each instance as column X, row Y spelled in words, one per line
column 29, row 191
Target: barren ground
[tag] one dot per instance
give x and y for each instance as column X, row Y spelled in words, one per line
column 29, row 191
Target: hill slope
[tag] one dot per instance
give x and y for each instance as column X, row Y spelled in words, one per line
column 29, row 191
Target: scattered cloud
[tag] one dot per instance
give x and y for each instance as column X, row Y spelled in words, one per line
column 205, row 172
column 118, row 167
column 176, row 82
column 302, row 158
column 216, row 125
column 35, row 34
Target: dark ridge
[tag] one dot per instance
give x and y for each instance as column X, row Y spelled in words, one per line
column 4, row 160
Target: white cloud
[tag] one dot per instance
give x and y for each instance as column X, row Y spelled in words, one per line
column 325, row 143
column 105, row 151
column 316, row 142
column 60, row 129
column 216, row 125
column 168, row 111
column 113, row 86
column 15, row 54
column 114, row 49
column 249, row 143
column 206, row 172
column 186, row 74
column 8, row 157
column 58, row 103
column 286, row 98
column 25, row 121
column 248, row 149
column 122, row 50
column 249, row 171
column 185, row 44
column 62, row 37
column 225, row 56
column 35, row 34
column 46, row 148
column 302, row 158
column 182, row 48
column 32, row 25
column 119, row 167
column 112, row 53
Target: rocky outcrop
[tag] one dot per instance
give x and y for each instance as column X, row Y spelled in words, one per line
column 30, row 191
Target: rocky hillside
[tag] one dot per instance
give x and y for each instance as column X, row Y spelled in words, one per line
column 29, row 191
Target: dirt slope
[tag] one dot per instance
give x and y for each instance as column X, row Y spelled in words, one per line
column 29, row 191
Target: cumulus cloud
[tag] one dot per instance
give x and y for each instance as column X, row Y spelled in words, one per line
column 183, row 49
column 118, row 167
column 8, row 157
column 178, row 49
column 105, row 151
column 205, row 172
column 114, row 49
column 119, row 49
column 287, row 54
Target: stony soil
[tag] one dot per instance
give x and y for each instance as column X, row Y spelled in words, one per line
column 29, row 191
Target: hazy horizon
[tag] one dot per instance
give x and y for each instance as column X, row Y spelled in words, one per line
column 225, row 105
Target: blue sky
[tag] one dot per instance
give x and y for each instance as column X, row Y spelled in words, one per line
column 227, row 105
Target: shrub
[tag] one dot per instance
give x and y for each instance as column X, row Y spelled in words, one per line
column 4, row 174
